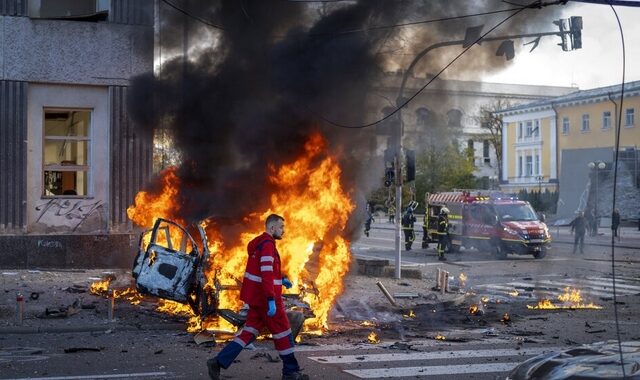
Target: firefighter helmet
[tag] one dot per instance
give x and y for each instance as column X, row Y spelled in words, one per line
column 444, row 210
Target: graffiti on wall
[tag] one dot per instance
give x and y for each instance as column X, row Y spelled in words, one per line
column 75, row 211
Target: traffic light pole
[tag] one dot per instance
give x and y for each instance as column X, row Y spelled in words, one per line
column 574, row 32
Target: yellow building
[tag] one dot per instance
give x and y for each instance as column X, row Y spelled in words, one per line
column 567, row 143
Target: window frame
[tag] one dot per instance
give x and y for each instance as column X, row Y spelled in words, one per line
column 67, row 168
column 629, row 122
column 584, row 126
column 606, row 120
column 565, row 125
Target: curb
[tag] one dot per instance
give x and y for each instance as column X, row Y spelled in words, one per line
column 90, row 328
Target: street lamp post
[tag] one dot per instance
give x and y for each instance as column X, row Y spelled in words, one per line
column 596, row 167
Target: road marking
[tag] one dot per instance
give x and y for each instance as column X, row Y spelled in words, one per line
column 431, row 370
column 395, row 357
column 118, row 376
column 389, row 344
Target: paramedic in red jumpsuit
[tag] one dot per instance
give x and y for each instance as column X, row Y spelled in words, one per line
column 262, row 291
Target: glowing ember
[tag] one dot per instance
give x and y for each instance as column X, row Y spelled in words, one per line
column 571, row 299
column 373, row 338
column 440, row 337
column 484, row 299
column 315, row 255
column 463, row 279
column 100, row 287
column 514, row 293
column 473, row 309
column 505, row 318
column 367, row 324
column 411, row 314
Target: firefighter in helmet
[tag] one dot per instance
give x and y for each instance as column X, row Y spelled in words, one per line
column 407, row 226
column 443, row 232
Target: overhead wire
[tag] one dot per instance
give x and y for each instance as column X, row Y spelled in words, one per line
column 195, row 17
column 615, row 185
column 419, row 91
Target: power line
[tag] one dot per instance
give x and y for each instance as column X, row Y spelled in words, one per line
column 610, row 2
column 186, row 13
column 406, row 102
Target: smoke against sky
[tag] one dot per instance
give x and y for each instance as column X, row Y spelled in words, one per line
column 251, row 92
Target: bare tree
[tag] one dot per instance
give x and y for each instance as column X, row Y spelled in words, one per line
column 492, row 123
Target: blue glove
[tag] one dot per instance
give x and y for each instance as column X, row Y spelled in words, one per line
column 287, row 284
column 272, row 308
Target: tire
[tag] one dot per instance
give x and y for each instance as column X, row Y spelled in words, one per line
column 540, row 254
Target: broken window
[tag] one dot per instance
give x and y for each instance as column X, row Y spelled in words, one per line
column 85, row 10
column 65, row 152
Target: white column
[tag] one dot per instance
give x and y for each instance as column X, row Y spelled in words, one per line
column 553, row 146
column 505, row 152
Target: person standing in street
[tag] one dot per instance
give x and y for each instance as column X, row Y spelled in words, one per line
column 262, row 291
column 408, row 219
column 443, row 232
column 368, row 221
column 615, row 222
column 579, row 227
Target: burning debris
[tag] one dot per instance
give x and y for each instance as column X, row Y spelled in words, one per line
column 439, row 337
column 373, row 338
column 410, row 314
column 570, row 299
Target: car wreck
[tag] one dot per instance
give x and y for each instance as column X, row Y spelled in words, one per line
column 171, row 264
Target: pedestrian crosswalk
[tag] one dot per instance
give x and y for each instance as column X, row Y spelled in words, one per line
column 432, row 363
column 594, row 286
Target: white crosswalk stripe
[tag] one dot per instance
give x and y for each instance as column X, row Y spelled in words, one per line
column 460, row 362
column 590, row 286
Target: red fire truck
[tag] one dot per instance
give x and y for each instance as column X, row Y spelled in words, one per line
column 488, row 221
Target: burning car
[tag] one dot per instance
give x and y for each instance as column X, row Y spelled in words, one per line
column 172, row 265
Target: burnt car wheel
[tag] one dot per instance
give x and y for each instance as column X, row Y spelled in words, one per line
column 500, row 252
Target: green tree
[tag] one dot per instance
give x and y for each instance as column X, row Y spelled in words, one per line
column 443, row 169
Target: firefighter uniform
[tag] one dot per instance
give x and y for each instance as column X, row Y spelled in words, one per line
column 443, row 232
column 263, row 282
column 425, row 230
column 407, row 226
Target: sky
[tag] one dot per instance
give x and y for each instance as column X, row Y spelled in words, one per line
column 597, row 64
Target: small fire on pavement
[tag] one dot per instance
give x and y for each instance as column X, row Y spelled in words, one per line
column 505, row 318
column 411, row 314
column 373, row 338
column 440, row 337
column 367, row 324
column 463, row 279
column 570, row 299
column 514, row 293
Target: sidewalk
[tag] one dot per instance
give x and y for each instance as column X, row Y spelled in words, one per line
column 629, row 237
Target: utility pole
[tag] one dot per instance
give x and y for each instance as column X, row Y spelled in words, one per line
column 570, row 31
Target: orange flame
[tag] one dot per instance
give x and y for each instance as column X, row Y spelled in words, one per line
column 314, row 253
column 440, row 337
column 411, row 314
column 373, row 338
column 571, row 299
column 473, row 309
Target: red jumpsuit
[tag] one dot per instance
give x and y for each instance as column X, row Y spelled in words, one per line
column 263, row 281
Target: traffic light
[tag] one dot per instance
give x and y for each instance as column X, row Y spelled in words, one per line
column 576, row 32
column 570, row 33
column 411, row 165
column 389, row 175
column 563, row 25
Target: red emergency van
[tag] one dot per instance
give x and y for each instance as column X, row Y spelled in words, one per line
column 488, row 221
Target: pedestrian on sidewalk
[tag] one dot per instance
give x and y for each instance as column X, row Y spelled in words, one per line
column 262, row 291
column 615, row 222
column 579, row 226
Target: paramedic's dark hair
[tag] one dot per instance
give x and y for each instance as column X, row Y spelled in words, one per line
column 272, row 219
